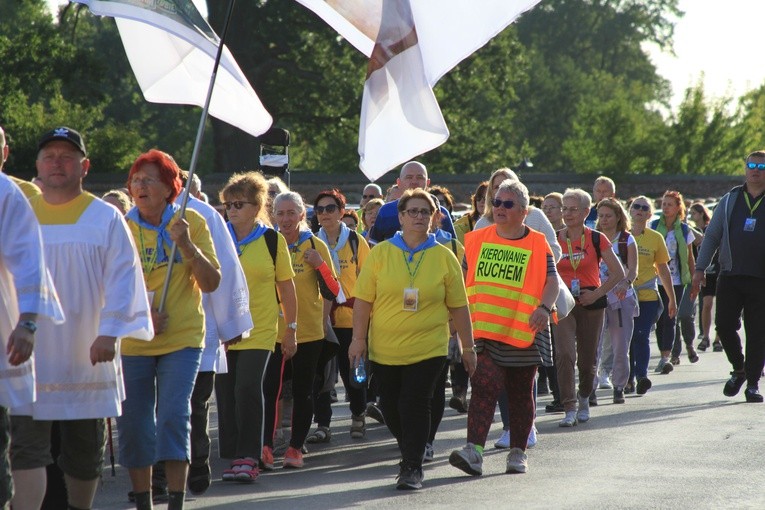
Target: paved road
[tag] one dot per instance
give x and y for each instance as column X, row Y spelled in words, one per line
column 683, row 445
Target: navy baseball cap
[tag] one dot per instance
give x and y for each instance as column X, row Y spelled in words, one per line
column 65, row 134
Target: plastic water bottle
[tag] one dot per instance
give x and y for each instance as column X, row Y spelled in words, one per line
column 360, row 374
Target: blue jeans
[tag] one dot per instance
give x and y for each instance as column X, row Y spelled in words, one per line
column 640, row 348
column 155, row 423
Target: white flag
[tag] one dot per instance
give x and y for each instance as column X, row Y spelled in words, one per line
column 172, row 50
column 411, row 44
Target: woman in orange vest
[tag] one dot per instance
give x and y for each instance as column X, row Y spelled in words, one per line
column 512, row 285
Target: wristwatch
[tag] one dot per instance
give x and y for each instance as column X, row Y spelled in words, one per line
column 31, row 326
column 292, row 325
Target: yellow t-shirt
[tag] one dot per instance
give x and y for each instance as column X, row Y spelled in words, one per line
column 462, row 226
column 310, row 312
column 29, row 189
column 399, row 337
column 343, row 316
column 457, row 249
column 62, row 214
column 651, row 251
column 261, row 275
column 186, row 323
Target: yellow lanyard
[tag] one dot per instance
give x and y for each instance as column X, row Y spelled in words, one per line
column 147, row 264
column 574, row 264
column 749, row 204
column 413, row 274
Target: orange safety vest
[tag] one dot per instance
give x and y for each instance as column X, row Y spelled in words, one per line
column 505, row 281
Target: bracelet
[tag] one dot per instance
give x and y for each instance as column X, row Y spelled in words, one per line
column 470, row 348
column 545, row 308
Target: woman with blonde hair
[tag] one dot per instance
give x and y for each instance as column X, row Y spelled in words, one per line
column 266, row 263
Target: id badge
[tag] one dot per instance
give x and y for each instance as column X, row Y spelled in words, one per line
column 411, row 299
column 575, row 290
column 749, row 224
column 150, row 295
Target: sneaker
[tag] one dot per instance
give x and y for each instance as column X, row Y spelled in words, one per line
column 734, row 384
column 569, row 420
column 468, row 460
column 643, row 385
column 704, row 344
column 429, row 453
column 692, row 356
column 517, row 461
column 358, row 427
column 583, row 414
column 458, row 402
column 532, row 442
column 717, row 346
column 675, row 360
column 267, row 459
column 554, row 407
column 593, row 399
column 618, row 396
column 409, row 478
column 320, row 435
column 333, row 396
column 752, row 395
column 293, row 459
column 374, row 412
column 604, row 382
column 503, row 441
column 664, row 366
column 629, row 388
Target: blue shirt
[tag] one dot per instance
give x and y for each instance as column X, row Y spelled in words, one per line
column 387, row 224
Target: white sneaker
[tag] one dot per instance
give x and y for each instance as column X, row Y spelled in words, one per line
column 583, row 414
column 604, row 383
column 517, row 461
column 429, row 453
column 504, row 440
column 569, row 420
column 468, row 459
column 532, row 442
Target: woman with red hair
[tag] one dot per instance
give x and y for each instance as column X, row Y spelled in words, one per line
column 159, row 375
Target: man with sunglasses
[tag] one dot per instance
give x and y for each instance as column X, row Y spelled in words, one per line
column 738, row 231
column 371, row 191
column 413, row 175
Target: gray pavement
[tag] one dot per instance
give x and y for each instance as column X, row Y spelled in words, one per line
column 682, row 445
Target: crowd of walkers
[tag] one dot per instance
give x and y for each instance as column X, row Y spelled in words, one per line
column 144, row 308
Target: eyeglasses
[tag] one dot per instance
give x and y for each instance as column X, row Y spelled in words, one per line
column 146, row 181
column 758, row 166
column 641, row 207
column 320, row 209
column 414, row 213
column 507, row 204
column 238, row 204
column 370, row 197
column 569, row 209
column 551, row 208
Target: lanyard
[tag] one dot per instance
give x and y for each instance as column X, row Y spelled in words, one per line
column 574, row 265
column 413, row 274
column 749, row 204
column 147, row 263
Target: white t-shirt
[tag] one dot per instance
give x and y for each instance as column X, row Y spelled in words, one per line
column 674, row 268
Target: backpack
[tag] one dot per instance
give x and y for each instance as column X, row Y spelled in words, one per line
column 272, row 241
column 622, row 244
column 595, row 237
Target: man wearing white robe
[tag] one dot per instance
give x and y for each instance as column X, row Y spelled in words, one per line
column 26, row 296
column 96, row 270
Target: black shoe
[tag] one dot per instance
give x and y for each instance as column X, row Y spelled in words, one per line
column 752, row 394
column 717, row 346
column 692, row 356
column 458, row 402
column 703, row 345
column 374, row 412
column 734, row 384
column 618, row 396
column 554, row 407
column 675, row 360
column 593, row 399
column 629, row 388
column 409, row 478
column 199, row 479
column 643, row 385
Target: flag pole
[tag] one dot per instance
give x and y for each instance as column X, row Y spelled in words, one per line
column 197, row 148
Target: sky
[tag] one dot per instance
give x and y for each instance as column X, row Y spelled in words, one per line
column 716, row 42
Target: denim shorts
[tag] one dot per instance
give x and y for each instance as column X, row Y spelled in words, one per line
column 155, row 424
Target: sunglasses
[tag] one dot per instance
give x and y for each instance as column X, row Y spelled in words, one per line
column 507, row 204
column 369, row 196
column 414, row 213
column 641, row 207
column 320, row 209
column 238, row 204
column 758, row 166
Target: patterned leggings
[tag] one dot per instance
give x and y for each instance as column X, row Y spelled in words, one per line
column 488, row 381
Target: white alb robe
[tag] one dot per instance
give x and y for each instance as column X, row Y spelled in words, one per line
column 25, row 287
column 97, row 272
column 227, row 309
